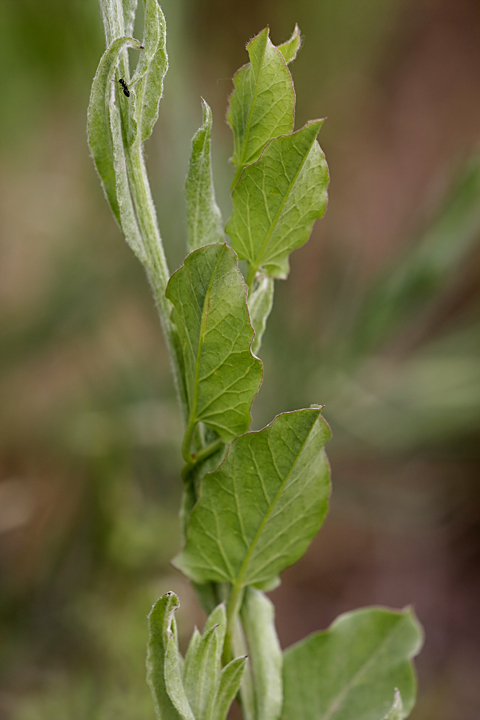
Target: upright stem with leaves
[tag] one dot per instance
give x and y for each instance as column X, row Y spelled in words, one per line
column 253, row 501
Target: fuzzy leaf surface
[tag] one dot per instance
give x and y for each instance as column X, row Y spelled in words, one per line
column 202, row 664
column 262, row 105
column 259, row 511
column 290, row 48
column 98, row 118
column 204, row 221
column 129, row 11
column 351, row 670
column 210, row 313
column 160, row 659
column 128, row 218
column 151, row 70
column 228, row 686
column 265, row 654
column 277, row 200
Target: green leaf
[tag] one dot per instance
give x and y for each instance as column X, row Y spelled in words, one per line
column 290, row 48
column 210, row 313
column 203, row 216
column 263, row 103
column 260, row 302
column 129, row 11
column 258, row 512
column 258, row 620
column 396, row 712
column 162, row 658
column 113, row 19
column 98, row 120
column 277, row 199
column 128, row 218
column 201, row 673
column 350, row 671
column 151, row 70
column 229, row 684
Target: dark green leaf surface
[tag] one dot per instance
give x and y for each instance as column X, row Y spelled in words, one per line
column 264, row 653
column 277, row 200
column 290, row 48
column 204, row 221
column 350, row 671
column 263, row 103
column 160, row 659
column 210, row 313
column 258, row 512
column 98, row 120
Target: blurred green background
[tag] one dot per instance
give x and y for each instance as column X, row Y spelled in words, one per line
column 380, row 320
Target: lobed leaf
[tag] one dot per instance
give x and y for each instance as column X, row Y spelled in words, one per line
column 163, row 675
column 290, row 48
column 277, row 200
column 350, row 671
column 204, row 220
column 265, row 654
column 260, row 302
column 262, row 106
column 98, row 119
column 210, row 313
column 259, row 511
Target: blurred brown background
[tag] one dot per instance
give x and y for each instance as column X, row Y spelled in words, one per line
column 380, row 320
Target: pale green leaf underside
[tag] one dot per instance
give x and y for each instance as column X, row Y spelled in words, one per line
column 290, row 48
column 260, row 302
column 230, row 680
column 162, row 631
column 277, row 200
column 128, row 218
column 204, row 221
column 98, row 120
column 147, row 81
column 259, row 511
column 129, row 11
column 263, row 102
column 350, row 671
column 210, row 313
column 265, row 654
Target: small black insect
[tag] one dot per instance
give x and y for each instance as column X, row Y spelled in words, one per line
column 126, row 91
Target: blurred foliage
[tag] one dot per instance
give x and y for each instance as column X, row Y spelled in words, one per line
column 386, row 335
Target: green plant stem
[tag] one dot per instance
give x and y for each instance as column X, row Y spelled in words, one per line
column 157, row 268
column 200, row 456
column 233, row 609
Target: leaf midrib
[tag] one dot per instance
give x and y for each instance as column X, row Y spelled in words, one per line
column 336, row 703
column 238, row 584
column 252, row 105
column 201, row 338
column 276, row 218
